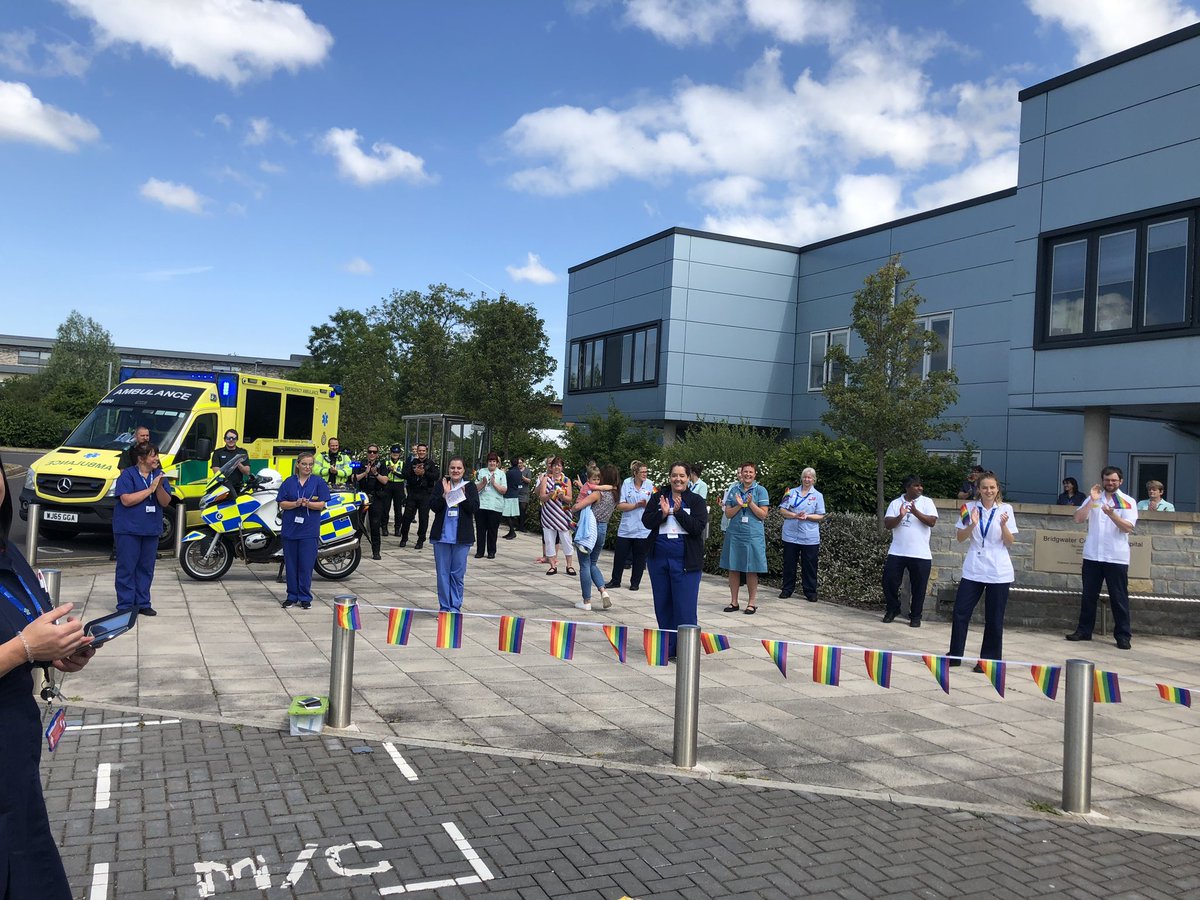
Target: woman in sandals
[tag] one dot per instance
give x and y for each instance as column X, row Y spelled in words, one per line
column 745, row 546
column 554, row 492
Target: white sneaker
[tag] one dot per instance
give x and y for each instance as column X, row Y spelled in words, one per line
column 605, row 599
column 586, row 607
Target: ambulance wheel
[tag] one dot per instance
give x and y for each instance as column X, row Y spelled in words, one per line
column 334, row 568
column 194, row 563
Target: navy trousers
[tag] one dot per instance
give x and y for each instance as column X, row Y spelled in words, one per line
column 806, row 555
column 1116, row 577
column 299, row 557
column 136, row 554
column 995, row 600
column 675, row 591
column 918, row 579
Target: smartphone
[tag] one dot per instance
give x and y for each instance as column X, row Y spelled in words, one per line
column 105, row 628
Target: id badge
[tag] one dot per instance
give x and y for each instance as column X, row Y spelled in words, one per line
column 56, row 729
column 745, row 519
column 151, row 508
column 299, row 520
column 452, row 513
column 672, row 536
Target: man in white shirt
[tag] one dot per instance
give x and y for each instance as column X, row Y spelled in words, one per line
column 911, row 518
column 1111, row 516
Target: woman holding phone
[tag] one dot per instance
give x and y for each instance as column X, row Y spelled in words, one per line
column 142, row 496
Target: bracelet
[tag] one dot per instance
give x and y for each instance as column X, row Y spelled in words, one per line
column 28, row 652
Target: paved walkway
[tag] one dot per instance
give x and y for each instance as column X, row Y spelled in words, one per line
column 227, row 650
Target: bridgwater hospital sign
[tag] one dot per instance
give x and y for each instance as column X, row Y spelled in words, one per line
column 1062, row 551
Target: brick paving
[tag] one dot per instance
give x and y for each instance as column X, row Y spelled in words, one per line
column 189, row 801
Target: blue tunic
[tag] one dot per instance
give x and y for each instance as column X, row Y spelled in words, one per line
column 745, row 545
column 309, row 524
column 143, row 518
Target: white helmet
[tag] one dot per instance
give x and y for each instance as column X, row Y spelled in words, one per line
column 269, row 480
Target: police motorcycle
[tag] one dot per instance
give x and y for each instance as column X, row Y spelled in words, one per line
column 247, row 526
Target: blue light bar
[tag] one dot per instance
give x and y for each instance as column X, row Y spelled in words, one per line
column 227, row 390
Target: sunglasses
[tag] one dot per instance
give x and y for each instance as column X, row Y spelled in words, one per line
column 231, row 437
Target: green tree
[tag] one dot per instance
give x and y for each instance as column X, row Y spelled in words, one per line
column 503, row 359
column 424, row 331
column 614, row 438
column 83, row 351
column 884, row 401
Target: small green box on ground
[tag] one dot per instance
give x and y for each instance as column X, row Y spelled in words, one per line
column 307, row 714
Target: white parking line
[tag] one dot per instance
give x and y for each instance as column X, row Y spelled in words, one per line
column 103, row 785
column 405, row 769
column 99, row 889
column 482, row 872
column 135, row 724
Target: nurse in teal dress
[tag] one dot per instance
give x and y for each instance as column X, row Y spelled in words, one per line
column 744, row 549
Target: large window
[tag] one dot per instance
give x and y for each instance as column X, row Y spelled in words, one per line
column 1119, row 280
column 936, row 360
column 33, row 357
column 619, row 359
column 820, row 369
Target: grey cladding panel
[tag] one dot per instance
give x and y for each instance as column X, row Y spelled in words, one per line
column 745, row 256
column 724, row 309
column 739, row 343
column 643, row 257
column 741, row 282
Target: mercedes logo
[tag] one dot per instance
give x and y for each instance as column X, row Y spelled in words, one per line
column 64, row 485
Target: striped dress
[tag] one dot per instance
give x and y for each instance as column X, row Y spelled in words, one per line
column 554, row 514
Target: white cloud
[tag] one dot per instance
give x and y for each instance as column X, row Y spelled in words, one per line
column 358, row 266
column 19, row 51
column 731, row 192
column 256, row 188
column 385, row 163
column 225, row 40
column 259, row 132
column 173, row 195
column 1102, row 27
column 168, row 274
column 271, row 168
column 25, row 118
column 532, row 271
column 800, row 21
column 682, row 21
column 223, row 120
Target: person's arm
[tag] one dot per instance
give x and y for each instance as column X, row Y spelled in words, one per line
column 1123, row 524
column 160, row 491
column 760, row 512
column 818, row 514
column 652, row 515
column 470, row 499
column 47, row 641
column 693, row 517
column 320, row 497
column 543, row 488
column 1084, row 509
column 133, row 498
column 500, row 482
column 925, row 518
column 891, row 522
column 1005, row 535
column 587, row 501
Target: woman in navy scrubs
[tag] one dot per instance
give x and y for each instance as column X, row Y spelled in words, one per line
column 137, row 525
column 30, row 866
column 452, row 533
column 676, row 517
column 301, row 497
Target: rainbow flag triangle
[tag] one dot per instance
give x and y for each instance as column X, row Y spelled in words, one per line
column 512, row 632
column 827, row 664
column 658, row 646
column 879, row 667
column 1106, row 687
column 777, row 650
column 714, row 643
column 347, row 616
column 1173, row 694
column 1120, row 502
column 964, row 514
column 995, row 670
column 618, row 636
column 449, row 633
column 399, row 626
column 940, row 667
column 562, row 640
column 1046, row 678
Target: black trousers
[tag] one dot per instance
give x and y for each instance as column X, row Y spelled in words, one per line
column 995, row 600
column 376, row 515
column 415, row 507
column 487, row 527
column 393, row 504
column 1116, row 577
column 621, row 552
column 918, row 579
column 806, row 555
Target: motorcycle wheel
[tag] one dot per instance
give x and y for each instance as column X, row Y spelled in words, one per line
column 335, row 568
column 192, row 559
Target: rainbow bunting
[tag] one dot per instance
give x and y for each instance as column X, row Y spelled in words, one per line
column 1046, row 678
column 714, row 643
column 562, row 640
column 618, row 636
column 1120, row 502
column 995, row 670
column 777, row 650
column 827, row 664
column 399, row 625
column 940, row 667
column 1173, row 694
column 964, row 514
column 449, row 635
column 658, row 646
column 347, row 616
column 1106, row 688
column 512, row 632
column 879, row 667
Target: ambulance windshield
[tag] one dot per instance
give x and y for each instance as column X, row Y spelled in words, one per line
column 112, row 427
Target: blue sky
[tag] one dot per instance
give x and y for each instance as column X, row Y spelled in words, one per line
column 221, row 175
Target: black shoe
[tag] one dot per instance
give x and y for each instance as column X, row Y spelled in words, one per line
column 1123, row 644
column 979, row 668
column 1078, row 636
column 954, row 663
column 511, row 536
column 384, row 532
column 914, row 623
column 305, row 605
column 147, row 611
column 288, row 603
column 812, row 599
column 376, row 556
column 479, row 556
column 403, row 543
column 420, row 544
column 889, row 617
column 491, row 556
column 612, row 585
column 634, row 587
column 783, row 595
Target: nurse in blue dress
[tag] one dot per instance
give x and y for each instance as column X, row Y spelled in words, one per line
column 301, row 497
column 142, row 496
column 745, row 546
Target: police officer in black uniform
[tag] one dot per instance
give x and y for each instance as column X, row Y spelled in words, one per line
column 222, row 455
column 393, row 497
column 372, row 480
column 421, row 476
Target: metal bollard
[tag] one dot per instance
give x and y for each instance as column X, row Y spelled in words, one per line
column 341, row 668
column 53, row 580
column 31, row 533
column 687, row 695
column 180, row 527
column 1077, row 737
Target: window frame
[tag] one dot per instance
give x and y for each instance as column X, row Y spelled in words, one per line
column 826, row 372
column 1091, row 233
column 927, row 321
column 588, row 375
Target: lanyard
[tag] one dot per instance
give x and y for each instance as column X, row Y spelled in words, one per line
column 983, row 527
column 22, row 608
column 796, row 504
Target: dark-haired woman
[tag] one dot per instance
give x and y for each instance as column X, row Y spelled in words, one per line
column 137, row 525
column 676, row 518
column 492, row 485
column 1071, row 495
column 453, row 504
